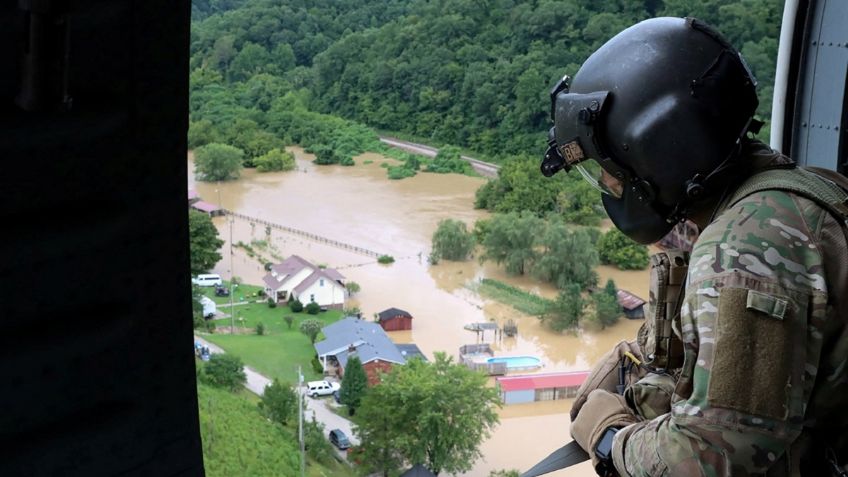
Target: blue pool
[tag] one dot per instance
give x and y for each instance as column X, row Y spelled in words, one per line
column 517, row 362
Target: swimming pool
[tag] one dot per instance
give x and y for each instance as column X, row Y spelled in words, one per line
column 517, row 362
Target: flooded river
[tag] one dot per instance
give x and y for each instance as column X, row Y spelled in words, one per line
column 360, row 206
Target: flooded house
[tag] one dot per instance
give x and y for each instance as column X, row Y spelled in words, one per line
column 540, row 387
column 394, row 319
column 296, row 278
column 205, row 207
column 365, row 339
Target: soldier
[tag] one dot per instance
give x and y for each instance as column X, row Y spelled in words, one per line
column 664, row 111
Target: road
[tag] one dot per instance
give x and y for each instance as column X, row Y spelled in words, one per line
column 319, row 408
column 485, row 169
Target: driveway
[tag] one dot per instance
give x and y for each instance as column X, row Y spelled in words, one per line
column 319, row 408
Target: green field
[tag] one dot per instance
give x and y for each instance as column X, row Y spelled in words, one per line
column 280, row 350
column 239, row 440
column 521, row 300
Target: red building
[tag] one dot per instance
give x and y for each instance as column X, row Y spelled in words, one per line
column 540, row 387
column 395, row 319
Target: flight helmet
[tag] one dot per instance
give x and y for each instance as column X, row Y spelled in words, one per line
column 662, row 108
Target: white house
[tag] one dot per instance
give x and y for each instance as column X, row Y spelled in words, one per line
column 297, row 278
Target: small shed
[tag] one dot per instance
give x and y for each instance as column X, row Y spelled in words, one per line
column 211, row 209
column 632, row 306
column 540, row 387
column 395, row 319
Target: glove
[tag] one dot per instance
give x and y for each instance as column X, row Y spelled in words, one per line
column 605, row 374
column 601, row 411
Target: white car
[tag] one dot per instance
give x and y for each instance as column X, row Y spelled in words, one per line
column 208, row 280
column 321, row 388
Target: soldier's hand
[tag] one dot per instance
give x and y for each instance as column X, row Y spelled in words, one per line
column 602, row 410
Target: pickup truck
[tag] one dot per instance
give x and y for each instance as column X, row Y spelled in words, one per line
column 321, row 388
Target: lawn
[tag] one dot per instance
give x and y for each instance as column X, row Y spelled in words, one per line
column 278, row 353
column 243, row 292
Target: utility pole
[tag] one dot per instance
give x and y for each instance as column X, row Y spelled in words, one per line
column 300, row 421
column 232, row 279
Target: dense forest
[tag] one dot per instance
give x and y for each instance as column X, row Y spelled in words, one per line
column 471, row 73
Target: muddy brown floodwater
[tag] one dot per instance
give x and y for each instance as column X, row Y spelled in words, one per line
column 360, row 206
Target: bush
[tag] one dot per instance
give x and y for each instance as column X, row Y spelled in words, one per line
column 317, row 445
column 311, row 328
column 279, row 402
column 275, row 160
column 399, row 172
column 260, row 329
column 289, row 320
column 313, row 308
column 224, row 371
column 296, row 306
column 386, row 259
column 316, row 365
column 272, row 303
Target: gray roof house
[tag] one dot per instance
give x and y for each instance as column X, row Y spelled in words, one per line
column 364, row 338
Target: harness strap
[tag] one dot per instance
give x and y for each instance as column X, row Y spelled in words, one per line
column 566, row 456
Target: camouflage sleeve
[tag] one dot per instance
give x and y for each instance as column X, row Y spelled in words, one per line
column 755, row 297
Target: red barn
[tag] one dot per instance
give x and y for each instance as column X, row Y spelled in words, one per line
column 395, row 319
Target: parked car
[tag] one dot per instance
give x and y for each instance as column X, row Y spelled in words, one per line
column 337, row 396
column 221, row 291
column 321, row 388
column 339, row 439
column 207, row 280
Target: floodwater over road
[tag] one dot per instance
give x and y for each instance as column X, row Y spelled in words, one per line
column 361, row 207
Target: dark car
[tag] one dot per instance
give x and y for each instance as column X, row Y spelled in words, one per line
column 337, row 396
column 221, row 291
column 339, row 439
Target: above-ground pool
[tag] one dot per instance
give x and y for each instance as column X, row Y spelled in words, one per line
column 517, row 362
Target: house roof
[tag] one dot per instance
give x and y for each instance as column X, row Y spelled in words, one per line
column 628, row 301
column 418, row 470
column 292, row 265
column 308, row 281
column 334, row 274
column 205, row 206
column 391, row 313
column 411, row 350
column 369, row 339
column 541, row 381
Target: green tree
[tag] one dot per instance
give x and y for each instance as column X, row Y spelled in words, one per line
column 296, row 306
column 224, row 371
column 275, row 160
column 352, row 288
column 354, row 384
column 436, row 414
column 204, row 244
column 607, row 310
column 311, row 328
column 279, row 402
column 289, row 320
column 217, row 162
column 566, row 310
column 568, row 256
column 201, row 133
column 317, row 445
column 452, row 240
column 511, row 240
column 617, row 249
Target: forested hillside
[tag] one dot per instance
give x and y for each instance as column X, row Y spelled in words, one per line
column 473, row 73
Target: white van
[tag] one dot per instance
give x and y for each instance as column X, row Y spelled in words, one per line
column 208, row 280
column 321, row 388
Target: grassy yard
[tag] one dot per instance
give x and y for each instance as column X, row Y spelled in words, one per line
column 521, row 300
column 243, row 292
column 280, row 350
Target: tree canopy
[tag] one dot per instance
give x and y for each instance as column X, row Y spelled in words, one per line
column 434, row 414
column 618, row 249
column 217, row 162
column 452, row 241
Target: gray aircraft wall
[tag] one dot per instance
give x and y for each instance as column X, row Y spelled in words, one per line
column 95, row 324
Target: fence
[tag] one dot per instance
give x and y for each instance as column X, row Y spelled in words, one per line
column 311, row 236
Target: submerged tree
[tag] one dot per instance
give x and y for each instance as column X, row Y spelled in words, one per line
column 217, row 162
column 566, row 310
column 511, row 240
column 452, row 240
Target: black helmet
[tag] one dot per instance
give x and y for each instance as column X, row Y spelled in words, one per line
column 662, row 107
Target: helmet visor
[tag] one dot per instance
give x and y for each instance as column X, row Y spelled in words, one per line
column 600, row 179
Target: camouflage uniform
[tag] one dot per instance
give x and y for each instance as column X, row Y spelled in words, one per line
column 764, row 385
